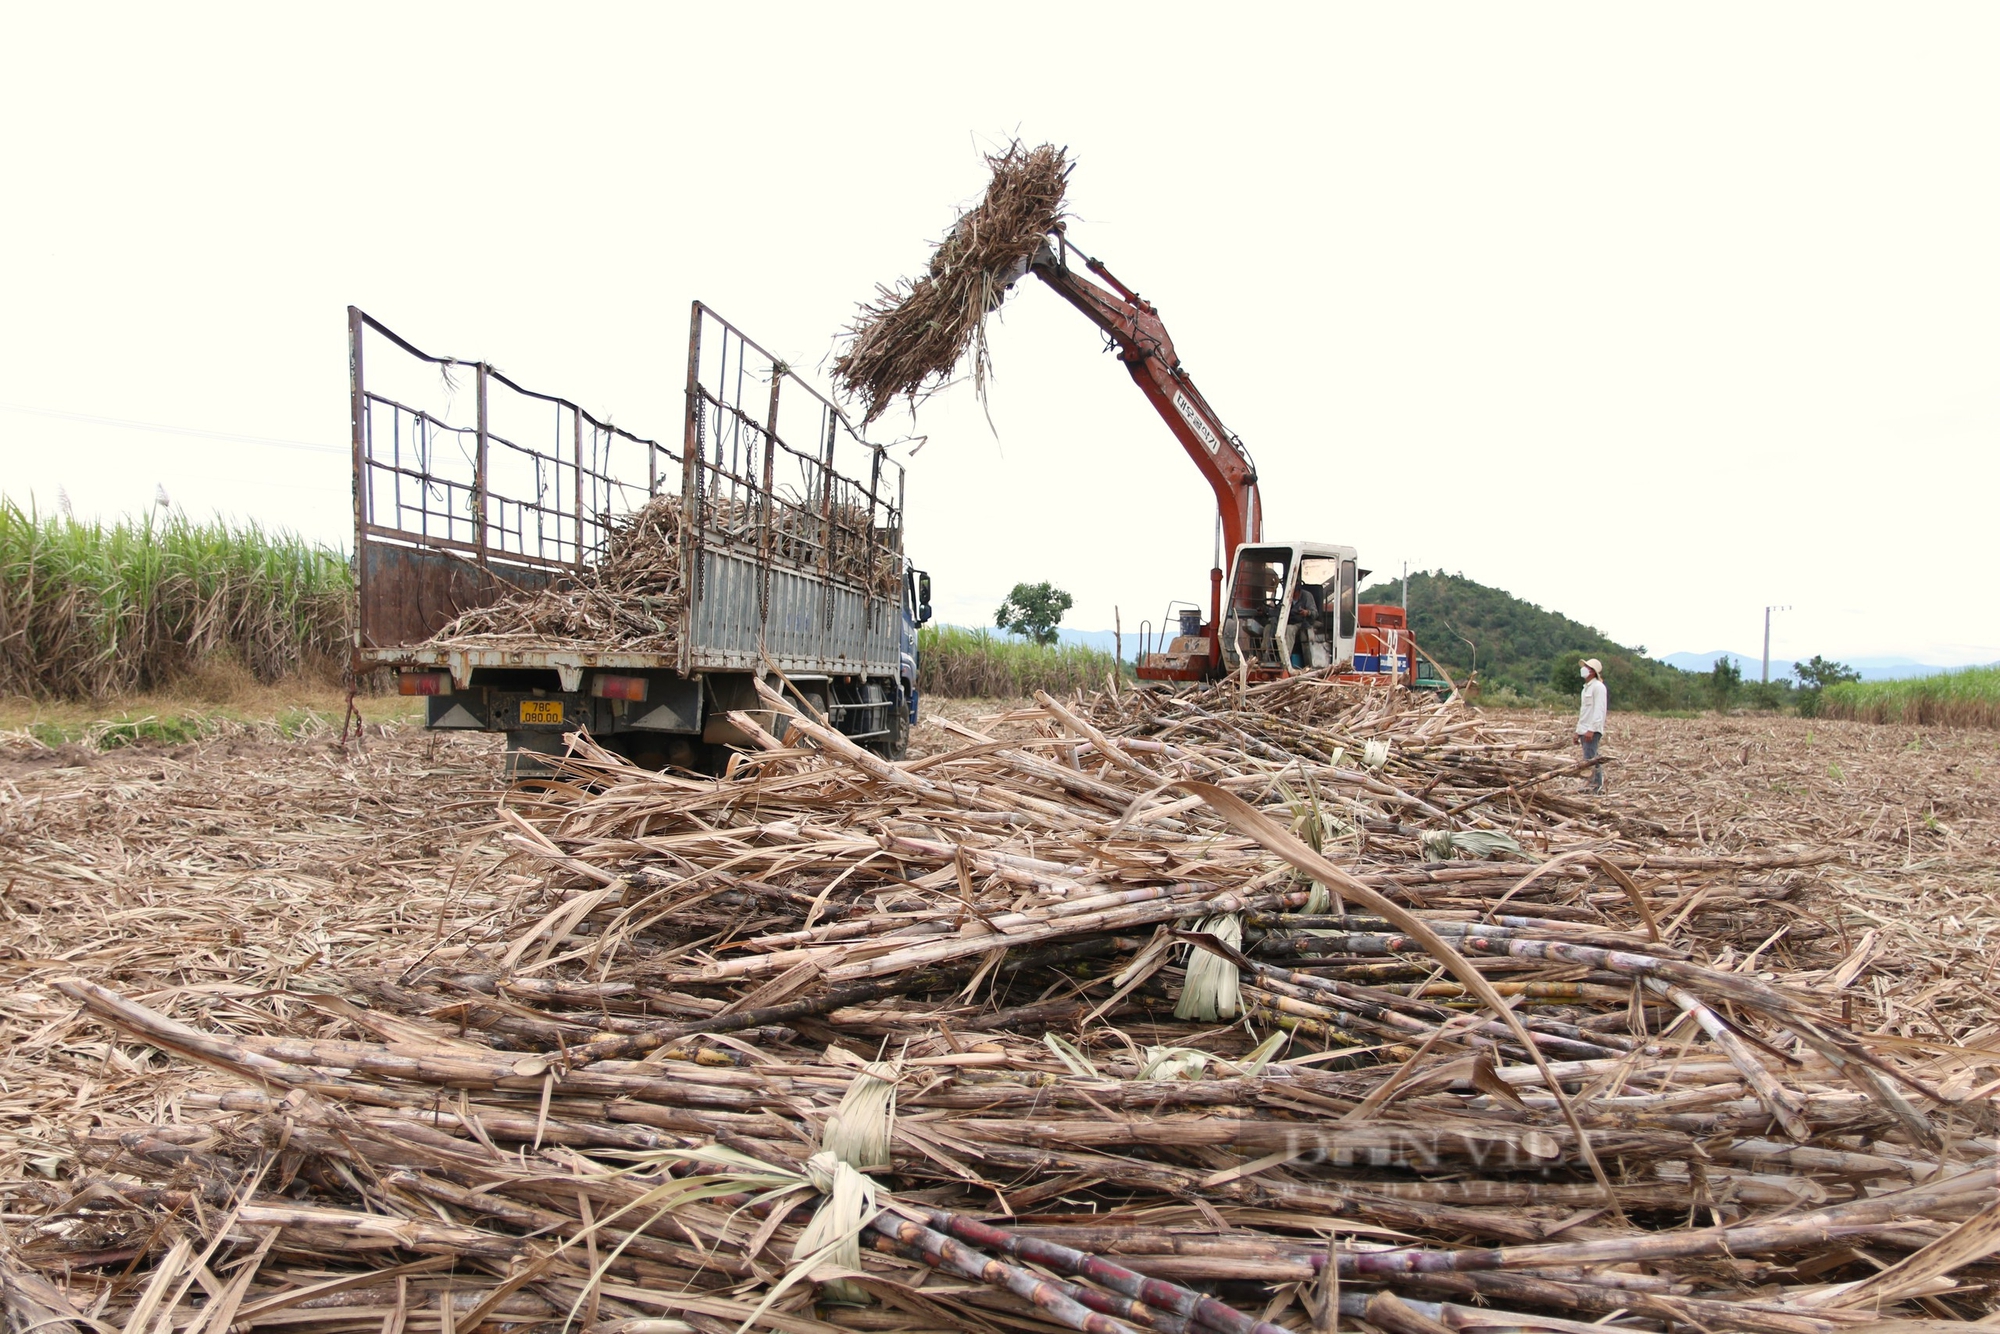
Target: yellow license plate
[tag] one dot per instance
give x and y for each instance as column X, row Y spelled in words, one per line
column 541, row 711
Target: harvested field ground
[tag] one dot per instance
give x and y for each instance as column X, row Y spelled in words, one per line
column 243, row 863
column 218, row 698
column 1915, row 812
column 240, row 884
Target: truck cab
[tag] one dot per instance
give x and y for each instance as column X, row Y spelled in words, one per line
column 916, row 615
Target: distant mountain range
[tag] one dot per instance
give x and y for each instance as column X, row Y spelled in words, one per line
column 1752, row 665
column 1104, row 641
column 1521, row 644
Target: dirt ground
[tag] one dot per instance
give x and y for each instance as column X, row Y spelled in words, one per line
column 263, row 858
column 218, row 696
column 1914, row 812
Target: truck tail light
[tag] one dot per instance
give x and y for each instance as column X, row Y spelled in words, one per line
column 424, row 683
column 618, row 687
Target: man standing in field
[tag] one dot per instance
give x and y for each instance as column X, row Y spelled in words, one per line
column 1590, row 718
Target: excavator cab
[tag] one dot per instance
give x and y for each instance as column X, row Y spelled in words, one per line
column 1289, row 607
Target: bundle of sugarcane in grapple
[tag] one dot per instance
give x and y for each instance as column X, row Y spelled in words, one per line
column 911, row 339
column 1274, row 606
column 1302, row 1006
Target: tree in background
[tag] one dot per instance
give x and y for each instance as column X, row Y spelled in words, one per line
column 1724, row 679
column 1815, row 676
column 1034, row 610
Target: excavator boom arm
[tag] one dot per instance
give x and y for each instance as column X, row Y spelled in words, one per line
column 1148, row 353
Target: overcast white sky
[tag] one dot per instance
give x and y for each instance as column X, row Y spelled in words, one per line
column 1649, row 315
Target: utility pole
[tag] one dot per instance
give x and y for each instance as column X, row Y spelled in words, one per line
column 1767, row 641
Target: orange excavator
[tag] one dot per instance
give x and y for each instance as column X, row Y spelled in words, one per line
column 1279, row 607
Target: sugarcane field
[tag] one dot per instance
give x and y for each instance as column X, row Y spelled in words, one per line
column 525, row 822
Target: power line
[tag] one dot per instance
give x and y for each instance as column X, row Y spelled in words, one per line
column 162, row 428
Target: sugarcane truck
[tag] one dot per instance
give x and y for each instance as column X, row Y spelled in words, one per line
column 1280, row 607
column 469, row 487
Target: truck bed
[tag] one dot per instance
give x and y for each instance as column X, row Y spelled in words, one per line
column 789, row 558
column 801, row 634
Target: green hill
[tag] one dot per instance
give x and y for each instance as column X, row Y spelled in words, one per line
column 1526, row 649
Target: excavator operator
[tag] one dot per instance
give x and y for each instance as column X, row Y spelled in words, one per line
column 1305, row 614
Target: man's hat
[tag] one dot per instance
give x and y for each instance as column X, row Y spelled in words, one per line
column 1594, row 665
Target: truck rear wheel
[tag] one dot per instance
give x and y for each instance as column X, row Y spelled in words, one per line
column 896, row 745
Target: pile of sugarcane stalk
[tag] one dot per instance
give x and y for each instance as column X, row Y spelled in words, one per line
column 632, row 598
column 1297, row 1006
column 635, row 598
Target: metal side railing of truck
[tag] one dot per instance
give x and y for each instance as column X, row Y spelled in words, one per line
column 470, row 487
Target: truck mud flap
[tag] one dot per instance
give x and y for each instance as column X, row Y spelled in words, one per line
column 670, row 706
column 455, row 711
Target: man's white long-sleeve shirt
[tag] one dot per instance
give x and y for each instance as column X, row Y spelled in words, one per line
column 1590, row 718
